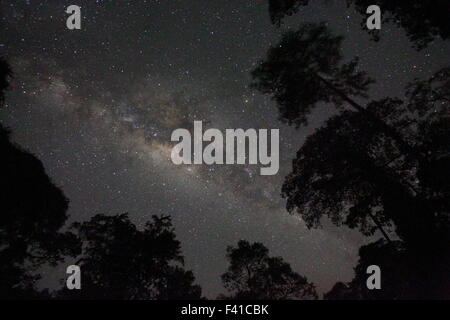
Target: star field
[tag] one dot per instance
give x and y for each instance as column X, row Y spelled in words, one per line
column 98, row 105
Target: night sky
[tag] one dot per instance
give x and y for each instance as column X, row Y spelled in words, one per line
column 98, row 106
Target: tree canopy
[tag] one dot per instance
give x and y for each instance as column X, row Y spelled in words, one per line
column 254, row 275
column 423, row 21
column 121, row 262
column 305, row 70
column 375, row 166
column 33, row 210
column 405, row 274
column 363, row 164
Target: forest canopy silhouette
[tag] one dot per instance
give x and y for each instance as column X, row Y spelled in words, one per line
column 375, row 166
column 118, row 260
column 33, row 210
column 254, row 275
column 423, row 21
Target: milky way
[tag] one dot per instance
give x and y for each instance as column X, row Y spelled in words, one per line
column 98, row 105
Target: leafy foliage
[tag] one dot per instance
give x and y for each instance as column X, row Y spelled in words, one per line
column 121, row 262
column 352, row 172
column 373, row 167
column 423, row 21
column 306, row 69
column 254, row 275
column 405, row 274
column 33, row 210
column 278, row 9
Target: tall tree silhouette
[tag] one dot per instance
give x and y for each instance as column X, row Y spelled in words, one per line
column 33, row 210
column 303, row 72
column 423, row 21
column 252, row 274
column 119, row 261
column 350, row 171
column 369, row 166
column 305, row 69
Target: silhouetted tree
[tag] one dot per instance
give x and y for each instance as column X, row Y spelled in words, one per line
column 305, row 69
column 119, row 261
column 369, row 166
column 32, row 212
column 278, row 9
column 394, row 265
column 423, row 21
column 350, row 171
column 357, row 149
column 5, row 75
column 405, row 274
column 254, row 275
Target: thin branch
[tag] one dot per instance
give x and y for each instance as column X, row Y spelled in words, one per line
column 380, row 227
